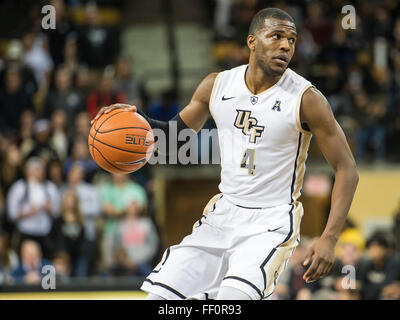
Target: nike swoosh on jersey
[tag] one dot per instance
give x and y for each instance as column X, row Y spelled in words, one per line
column 223, row 98
column 269, row 230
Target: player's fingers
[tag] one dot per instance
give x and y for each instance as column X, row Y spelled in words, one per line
column 309, row 255
column 101, row 111
column 319, row 273
column 328, row 268
column 112, row 107
column 311, row 270
column 125, row 106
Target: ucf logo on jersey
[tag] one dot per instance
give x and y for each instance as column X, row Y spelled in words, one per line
column 248, row 125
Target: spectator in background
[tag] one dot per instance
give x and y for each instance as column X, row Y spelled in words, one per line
column 68, row 229
column 71, row 54
column 391, row 285
column 372, row 130
column 8, row 259
column 167, row 108
column 57, row 37
column 63, row 96
column 394, row 98
column 30, row 265
column 375, row 268
column 127, row 82
column 25, row 138
column 11, row 170
column 115, row 198
column 90, row 204
column 36, row 56
column 41, row 147
column 82, row 127
column 242, row 13
column 80, row 154
column 98, row 44
column 83, row 82
column 105, row 95
column 13, row 99
column 13, row 60
column 59, row 134
column 134, row 244
column 32, row 203
column 318, row 23
column 62, row 263
column 10, row 167
column 55, row 173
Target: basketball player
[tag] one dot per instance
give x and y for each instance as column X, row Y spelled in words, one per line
column 242, row 243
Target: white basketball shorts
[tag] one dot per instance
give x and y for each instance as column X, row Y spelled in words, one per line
column 244, row 248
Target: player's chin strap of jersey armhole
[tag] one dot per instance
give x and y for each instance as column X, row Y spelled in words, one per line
column 302, row 127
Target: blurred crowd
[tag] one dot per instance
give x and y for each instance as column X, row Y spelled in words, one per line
column 57, row 206
column 364, row 269
column 356, row 69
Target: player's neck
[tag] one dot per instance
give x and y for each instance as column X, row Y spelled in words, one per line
column 257, row 80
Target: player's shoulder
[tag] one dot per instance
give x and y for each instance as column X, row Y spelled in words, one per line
column 233, row 71
column 312, row 97
column 294, row 82
column 229, row 77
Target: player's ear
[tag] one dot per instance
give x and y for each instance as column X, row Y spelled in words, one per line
column 251, row 42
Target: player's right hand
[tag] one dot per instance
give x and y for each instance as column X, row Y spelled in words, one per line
column 112, row 107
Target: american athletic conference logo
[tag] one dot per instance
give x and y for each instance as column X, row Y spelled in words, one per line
column 248, row 125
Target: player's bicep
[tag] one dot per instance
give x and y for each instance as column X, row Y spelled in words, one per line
column 196, row 113
column 317, row 113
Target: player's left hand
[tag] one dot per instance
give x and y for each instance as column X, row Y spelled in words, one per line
column 322, row 255
column 126, row 107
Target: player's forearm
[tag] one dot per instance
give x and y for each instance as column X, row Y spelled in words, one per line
column 346, row 181
column 171, row 129
column 164, row 125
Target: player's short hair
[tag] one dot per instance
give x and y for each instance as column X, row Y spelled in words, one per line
column 257, row 23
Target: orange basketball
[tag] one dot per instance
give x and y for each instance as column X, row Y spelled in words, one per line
column 121, row 141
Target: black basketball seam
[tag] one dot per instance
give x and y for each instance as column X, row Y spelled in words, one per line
column 136, row 152
column 101, row 125
column 122, row 129
column 93, row 146
column 94, row 139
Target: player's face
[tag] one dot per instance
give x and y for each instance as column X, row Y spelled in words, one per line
column 274, row 45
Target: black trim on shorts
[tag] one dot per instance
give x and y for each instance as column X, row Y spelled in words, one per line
column 247, row 282
column 215, row 204
column 274, row 249
column 166, row 256
column 201, row 222
column 165, row 260
column 247, row 207
column 268, row 295
column 180, row 295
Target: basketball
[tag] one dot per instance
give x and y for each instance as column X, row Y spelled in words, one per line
column 121, row 141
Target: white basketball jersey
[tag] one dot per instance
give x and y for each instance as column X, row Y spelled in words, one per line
column 263, row 147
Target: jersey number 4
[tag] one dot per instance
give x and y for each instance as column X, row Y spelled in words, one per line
column 248, row 161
